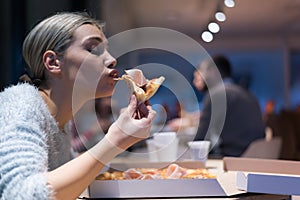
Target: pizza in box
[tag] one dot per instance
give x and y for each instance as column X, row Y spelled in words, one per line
column 172, row 171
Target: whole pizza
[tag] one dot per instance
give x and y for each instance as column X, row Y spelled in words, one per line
column 172, row 171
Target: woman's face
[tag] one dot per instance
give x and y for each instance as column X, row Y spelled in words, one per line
column 87, row 66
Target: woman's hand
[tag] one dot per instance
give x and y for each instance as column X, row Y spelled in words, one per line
column 133, row 125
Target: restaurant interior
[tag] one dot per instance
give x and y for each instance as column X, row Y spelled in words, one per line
column 260, row 38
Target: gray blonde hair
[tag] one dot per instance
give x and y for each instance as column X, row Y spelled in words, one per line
column 53, row 33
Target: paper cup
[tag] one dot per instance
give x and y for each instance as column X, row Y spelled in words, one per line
column 199, row 150
column 166, row 145
column 152, row 151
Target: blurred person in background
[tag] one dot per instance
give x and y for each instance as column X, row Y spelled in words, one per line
column 243, row 120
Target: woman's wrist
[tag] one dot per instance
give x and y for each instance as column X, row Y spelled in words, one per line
column 105, row 150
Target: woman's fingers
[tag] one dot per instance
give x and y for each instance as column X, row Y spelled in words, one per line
column 139, row 111
column 132, row 107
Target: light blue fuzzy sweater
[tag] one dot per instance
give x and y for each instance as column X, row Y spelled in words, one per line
column 30, row 144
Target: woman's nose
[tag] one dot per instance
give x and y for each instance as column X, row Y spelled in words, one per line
column 110, row 61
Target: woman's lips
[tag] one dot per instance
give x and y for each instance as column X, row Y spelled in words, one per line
column 114, row 74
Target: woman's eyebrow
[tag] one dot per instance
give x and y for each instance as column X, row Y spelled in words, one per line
column 95, row 38
column 91, row 38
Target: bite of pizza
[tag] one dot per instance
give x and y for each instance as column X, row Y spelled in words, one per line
column 139, row 85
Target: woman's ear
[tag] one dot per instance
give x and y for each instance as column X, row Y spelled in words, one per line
column 51, row 62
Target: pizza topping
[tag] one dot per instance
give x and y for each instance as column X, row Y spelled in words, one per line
column 174, row 171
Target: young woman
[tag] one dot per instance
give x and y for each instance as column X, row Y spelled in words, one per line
column 34, row 149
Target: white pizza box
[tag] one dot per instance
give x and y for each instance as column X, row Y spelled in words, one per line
column 268, row 183
column 266, row 175
column 223, row 185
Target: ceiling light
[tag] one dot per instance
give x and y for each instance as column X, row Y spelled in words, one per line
column 207, row 36
column 220, row 16
column 213, row 27
column 229, row 3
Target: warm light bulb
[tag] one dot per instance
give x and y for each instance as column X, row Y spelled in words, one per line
column 220, row 16
column 207, row 36
column 213, row 27
column 229, row 3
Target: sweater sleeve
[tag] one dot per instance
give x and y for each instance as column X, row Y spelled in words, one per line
column 23, row 158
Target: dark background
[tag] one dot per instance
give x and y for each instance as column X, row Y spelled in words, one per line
column 270, row 71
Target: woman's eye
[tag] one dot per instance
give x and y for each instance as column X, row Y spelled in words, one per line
column 98, row 50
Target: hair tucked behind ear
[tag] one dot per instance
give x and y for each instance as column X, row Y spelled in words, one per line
column 53, row 33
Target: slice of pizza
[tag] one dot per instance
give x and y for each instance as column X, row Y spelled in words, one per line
column 139, row 85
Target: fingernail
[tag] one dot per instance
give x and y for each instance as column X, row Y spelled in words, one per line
column 132, row 98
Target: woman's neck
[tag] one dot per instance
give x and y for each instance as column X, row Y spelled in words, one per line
column 60, row 108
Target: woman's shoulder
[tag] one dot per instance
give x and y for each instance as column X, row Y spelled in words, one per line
column 20, row 95
column 20, row 89
column 20, row 100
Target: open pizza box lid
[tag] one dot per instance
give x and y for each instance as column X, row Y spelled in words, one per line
column 223, row 185
column 265, row 175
